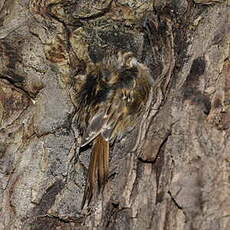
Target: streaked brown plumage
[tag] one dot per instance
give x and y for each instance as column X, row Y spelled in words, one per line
column 111, row 98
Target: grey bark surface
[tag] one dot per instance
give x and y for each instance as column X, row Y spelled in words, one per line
column 177, row 177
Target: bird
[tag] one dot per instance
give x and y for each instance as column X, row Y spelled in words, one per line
column 111, row 97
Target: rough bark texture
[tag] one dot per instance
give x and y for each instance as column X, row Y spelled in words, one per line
column 178, row 177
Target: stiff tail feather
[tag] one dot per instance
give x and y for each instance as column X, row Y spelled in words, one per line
column 98, row 169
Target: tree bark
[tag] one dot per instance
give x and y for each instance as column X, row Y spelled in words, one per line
column 177, row 177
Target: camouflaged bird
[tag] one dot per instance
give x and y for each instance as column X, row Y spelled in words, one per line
column 112, row 95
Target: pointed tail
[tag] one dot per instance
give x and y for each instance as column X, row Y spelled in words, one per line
column 98, row 169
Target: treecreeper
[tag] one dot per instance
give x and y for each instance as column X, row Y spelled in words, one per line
column 111, row 97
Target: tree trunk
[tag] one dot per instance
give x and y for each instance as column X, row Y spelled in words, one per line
column 177, row 177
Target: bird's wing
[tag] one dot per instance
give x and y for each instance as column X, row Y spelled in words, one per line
column 104, row 123
column 94, row 128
